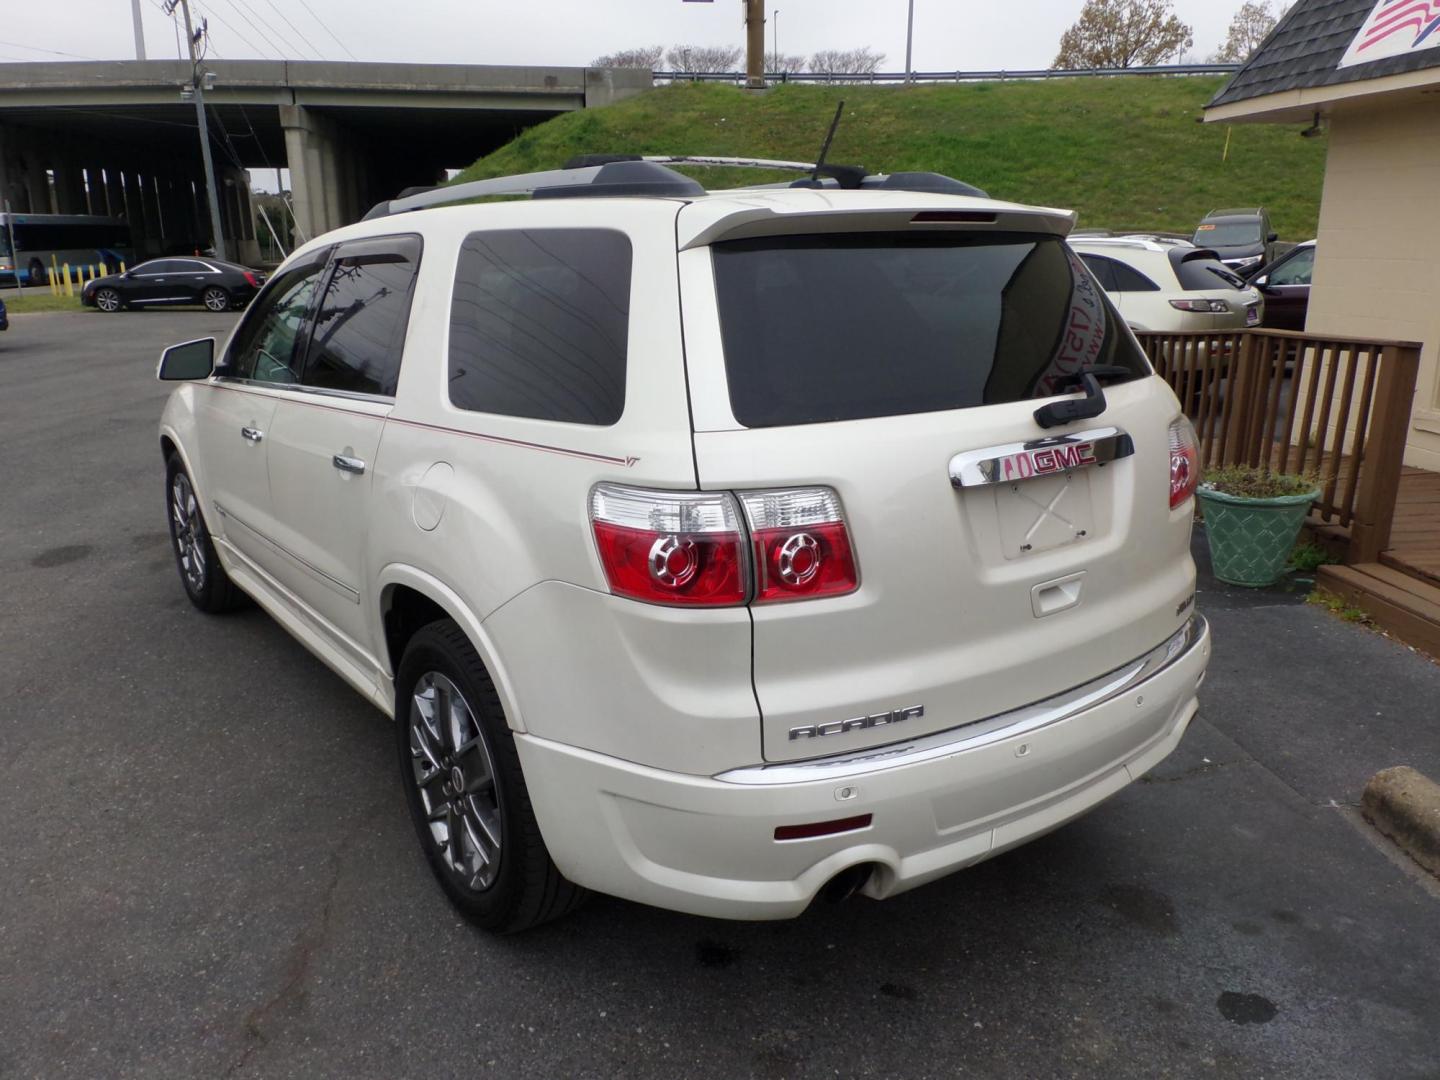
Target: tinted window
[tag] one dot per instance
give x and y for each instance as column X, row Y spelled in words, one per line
column 539, row 324
column 1202, row 271
column 268, row 345
column 1295, row 270
column 843, row 327
column 163, row 266
column 1103, row 269
column 360, row 323
column 1128, row 279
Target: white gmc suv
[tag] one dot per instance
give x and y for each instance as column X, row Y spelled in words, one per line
column 709, row 550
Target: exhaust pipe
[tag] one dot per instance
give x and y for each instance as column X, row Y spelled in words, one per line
column 847, row 882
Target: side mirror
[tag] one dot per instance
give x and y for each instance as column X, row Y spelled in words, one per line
column 190, row 360
column 1272, row 237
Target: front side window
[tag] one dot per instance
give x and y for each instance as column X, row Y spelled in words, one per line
column 268, row 346
column 1295, row 270
column 362, row 316
column 848, row 326
column 539, row 324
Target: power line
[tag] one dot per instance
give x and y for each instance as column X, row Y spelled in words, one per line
column 297, row 30
column 213, row 14
column 52, row 52
column 280, row 52
column 306, row 5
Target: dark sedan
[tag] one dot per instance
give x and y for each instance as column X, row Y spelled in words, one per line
column 217, row 285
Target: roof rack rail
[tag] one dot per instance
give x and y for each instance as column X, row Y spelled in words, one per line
column 600, row 175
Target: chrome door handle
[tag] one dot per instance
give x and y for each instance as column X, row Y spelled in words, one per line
column 253, row 434
column 348, row 464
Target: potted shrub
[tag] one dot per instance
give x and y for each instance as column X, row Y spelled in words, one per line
column 1252, row 520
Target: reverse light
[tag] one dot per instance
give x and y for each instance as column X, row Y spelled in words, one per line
column 1184, row 461
column 801, row 544
column 1215, row 306
column 684, row 549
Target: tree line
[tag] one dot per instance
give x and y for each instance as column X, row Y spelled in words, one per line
column 1108, row 34
column 707, row 59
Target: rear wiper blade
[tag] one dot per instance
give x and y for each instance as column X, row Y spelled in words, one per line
column 1092, row 404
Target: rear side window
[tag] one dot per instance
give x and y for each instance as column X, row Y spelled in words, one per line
column 1128, row 279
column 539, row 324
column 362, row 315
column 844, row 327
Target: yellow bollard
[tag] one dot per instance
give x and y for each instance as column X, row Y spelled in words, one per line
column 65, row 272
column 122, row 266
column 50, row 280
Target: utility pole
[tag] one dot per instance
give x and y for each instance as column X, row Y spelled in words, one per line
column 909, row 38
column 776, row 46
column 139, row 30
column 197, row 85
column 755, row 44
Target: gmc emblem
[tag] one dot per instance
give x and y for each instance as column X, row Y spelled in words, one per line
column 1052, row 459
column 857, row 723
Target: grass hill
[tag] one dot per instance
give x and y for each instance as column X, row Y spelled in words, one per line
column 1124, row 152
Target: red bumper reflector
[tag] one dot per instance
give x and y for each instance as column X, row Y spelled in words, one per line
column 822, row 828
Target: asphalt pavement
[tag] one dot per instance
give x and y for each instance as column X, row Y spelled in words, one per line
column 206, row 869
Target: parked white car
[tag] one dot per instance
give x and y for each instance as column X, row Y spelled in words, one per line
column 1164, row 285
column 710, row 550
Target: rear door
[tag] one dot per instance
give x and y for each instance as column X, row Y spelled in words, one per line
column 999, row 562
column 326, row 431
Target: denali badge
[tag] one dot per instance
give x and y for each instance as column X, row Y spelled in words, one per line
column 857, row 723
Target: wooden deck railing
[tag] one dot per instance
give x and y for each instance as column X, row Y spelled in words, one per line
column 1332, row 406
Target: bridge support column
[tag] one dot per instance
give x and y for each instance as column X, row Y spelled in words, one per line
column 310, row 154
column 69, row 188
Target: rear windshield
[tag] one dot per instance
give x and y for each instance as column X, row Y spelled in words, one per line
column 1203, row 271
column 1228, row 234
column 844, row 327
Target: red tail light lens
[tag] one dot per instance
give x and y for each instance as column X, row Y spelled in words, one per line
column 801, row 545
column 251, row 280
column 1184, row 462
column 675, row 548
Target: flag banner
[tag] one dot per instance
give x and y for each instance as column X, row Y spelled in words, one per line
column 1395, row 28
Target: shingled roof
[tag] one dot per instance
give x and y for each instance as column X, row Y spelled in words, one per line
column 1305, row 46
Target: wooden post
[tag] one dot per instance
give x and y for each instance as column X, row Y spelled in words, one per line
column 1239, row 403
column 1384, row 456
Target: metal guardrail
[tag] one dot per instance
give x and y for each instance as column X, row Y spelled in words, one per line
column 1000, row 75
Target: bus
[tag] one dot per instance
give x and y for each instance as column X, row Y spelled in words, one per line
column 77, row 239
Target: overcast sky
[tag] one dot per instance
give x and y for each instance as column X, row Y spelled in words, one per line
column 949, row 34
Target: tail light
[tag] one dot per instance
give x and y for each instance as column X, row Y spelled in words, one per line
column 671, row 547
column 801, row 545
column 1184, row 461
column 251, row 280
column 690, row 549
column 1217, row 306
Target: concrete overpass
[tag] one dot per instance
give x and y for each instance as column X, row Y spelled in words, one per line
column 116, row 138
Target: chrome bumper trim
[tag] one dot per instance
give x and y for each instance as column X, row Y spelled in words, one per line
column 982, row 732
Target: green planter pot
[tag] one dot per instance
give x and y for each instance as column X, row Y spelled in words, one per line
column 1251, row 539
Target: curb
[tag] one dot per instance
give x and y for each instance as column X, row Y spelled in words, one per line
column 1405, row 806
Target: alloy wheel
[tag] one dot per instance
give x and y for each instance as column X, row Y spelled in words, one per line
column 107, row 300
column 189, row 536
column 455, row 777
column 217, row 299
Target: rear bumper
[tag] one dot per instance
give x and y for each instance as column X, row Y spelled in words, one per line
column 706, row 845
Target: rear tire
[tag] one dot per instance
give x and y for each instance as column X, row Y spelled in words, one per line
column 466, row 791
column 206, row 583
column 37, row 273
column 216, row 299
